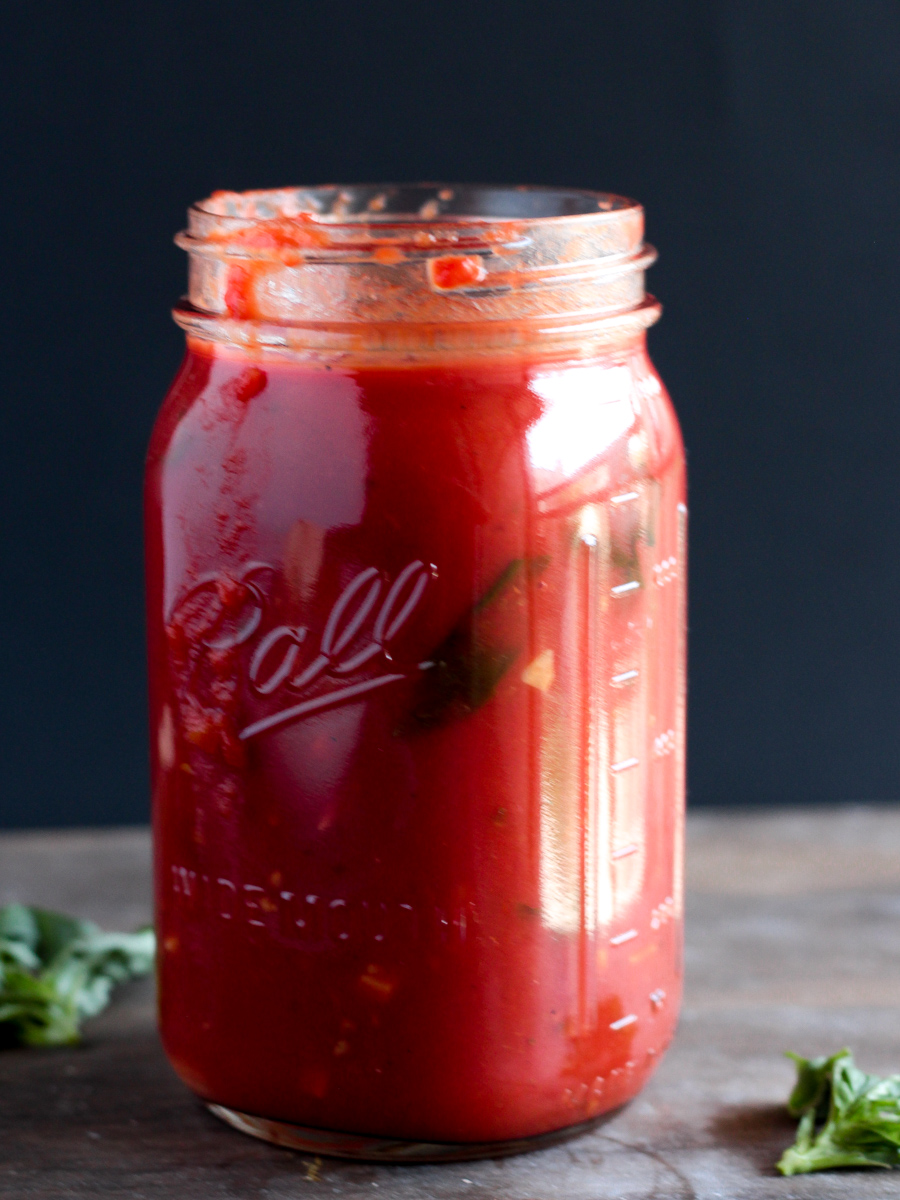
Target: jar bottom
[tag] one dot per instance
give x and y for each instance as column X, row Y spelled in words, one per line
column 330, row 1144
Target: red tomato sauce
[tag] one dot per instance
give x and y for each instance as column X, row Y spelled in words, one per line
column 414, row 867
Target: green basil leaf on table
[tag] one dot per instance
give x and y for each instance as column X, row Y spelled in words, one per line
column 56, row 970
column 847, row 1117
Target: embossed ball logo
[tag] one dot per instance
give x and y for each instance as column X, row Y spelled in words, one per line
column 221, row 616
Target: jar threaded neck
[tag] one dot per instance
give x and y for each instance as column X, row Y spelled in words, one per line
column 425, row 268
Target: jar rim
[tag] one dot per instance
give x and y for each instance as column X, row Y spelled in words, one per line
column 416, row 218
column 427, row 204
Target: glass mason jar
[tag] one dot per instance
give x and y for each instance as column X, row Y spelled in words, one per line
column 416, row 572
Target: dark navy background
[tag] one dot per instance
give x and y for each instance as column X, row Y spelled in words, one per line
column 763, row 137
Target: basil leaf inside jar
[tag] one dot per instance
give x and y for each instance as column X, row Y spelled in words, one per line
column 470, row 662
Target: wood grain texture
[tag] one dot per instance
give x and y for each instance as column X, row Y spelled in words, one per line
column 771, row 965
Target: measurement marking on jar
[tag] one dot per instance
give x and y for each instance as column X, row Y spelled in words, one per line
column 624, row 852
column 664, row 744
column 624, row 1022
column 625, row 765
column 621, row 938
column 625, row 676
column 665, row 912
column 625, row 496
column 621, row 588
column 665, row 571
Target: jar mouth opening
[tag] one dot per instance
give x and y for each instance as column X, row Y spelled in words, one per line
column 415, row 218
column 409, row 204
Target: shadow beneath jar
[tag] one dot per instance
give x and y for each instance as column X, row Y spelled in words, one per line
column 759, row 1133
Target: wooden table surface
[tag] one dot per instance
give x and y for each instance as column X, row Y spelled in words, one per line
column 793, row 943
